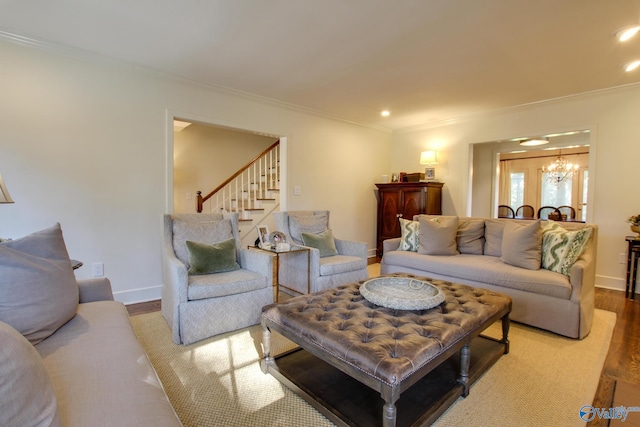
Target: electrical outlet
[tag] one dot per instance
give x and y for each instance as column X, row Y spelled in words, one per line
column 622, row 258
column 189, row 196
column 297, row 190
column 98, row 269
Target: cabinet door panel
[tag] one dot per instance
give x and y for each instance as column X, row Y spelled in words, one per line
column 391, row 207
column 413, row 204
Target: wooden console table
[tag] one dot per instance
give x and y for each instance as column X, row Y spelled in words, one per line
column 633, row 254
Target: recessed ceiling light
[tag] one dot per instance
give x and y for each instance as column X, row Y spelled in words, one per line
column 534, row 141
column 632, row 66
column 385, row 113
column 626, row 33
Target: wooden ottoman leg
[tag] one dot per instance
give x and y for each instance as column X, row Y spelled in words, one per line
column 505, row 333
column 465, row 358
column 389, row 410
column 266, row 349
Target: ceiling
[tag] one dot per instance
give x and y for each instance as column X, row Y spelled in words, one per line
column 424, row 60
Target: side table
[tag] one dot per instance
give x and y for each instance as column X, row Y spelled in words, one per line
column 278, row 254
column 633, row 254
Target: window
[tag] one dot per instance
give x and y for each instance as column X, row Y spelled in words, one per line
column 555, row 194
column 517, row 190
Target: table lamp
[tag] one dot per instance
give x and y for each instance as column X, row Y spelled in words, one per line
column 429, row 158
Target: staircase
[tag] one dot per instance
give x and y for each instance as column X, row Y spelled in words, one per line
column 253, row 192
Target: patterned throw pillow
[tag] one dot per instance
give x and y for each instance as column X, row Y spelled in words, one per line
column 561, row 248
column 410, row 235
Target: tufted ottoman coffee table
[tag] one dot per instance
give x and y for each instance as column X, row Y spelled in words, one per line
column 353, row 352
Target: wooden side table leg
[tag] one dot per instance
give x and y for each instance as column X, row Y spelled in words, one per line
column 628, row 283
column 634, row 276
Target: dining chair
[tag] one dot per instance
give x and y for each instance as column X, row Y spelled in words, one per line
column 525, row 211
column 505, row 211
column 569, row 211
column 544, row 211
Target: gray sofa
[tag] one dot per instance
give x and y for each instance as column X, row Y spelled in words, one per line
column 561, row 303
column 69, row 356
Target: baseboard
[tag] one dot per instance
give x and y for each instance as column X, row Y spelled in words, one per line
column 135, row 296
column 613, row 283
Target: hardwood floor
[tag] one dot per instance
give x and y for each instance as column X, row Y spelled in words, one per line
column 623, row 359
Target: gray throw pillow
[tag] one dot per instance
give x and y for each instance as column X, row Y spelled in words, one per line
column 25, row 387
column 210, row 259
column 38, row 290
column 438, row 235
column 324, row 242
column 307, row 222
column 522, row 244
column 493, row 229
column 470, row 237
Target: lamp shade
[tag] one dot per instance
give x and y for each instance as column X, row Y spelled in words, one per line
column 4, row 193
column 429, row 157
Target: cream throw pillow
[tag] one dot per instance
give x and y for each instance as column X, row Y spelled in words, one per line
column 438, row 235
column 522, row 244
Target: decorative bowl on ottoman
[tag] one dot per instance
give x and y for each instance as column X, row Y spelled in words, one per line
column 403, row 293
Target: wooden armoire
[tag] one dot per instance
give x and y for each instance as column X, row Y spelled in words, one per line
column 404, row 200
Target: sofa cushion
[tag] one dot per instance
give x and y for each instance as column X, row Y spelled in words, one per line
column 522, row 245
column 323, row 242
column 470, row 237
column 223, row 284
column 210, row 259
column 479, row 269
column 101, row 374
column 493, row 229
column 307, row 222
column 561, row 248
column 209, row 232
column 27, row 393
column 438, row 235
column 409, row 235
column 38, row 290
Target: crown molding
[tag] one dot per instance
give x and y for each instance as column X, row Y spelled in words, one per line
column 99, row 59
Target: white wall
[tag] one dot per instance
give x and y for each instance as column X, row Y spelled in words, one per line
column 83, row 142
column 612, row 117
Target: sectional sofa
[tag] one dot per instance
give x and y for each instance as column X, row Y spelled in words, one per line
column 547, row 267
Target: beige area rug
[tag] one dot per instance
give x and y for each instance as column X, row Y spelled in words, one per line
column 543, row 381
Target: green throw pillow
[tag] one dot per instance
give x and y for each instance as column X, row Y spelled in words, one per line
column 209, row 259
column 561, row 248
column 410, row 235
column 323, row 242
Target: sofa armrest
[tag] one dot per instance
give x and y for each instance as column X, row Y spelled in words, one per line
column 258, row 262
column 92, row 290
column 351, row 248
column 390, row 245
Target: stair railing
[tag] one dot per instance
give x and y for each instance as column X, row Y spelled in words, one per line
column 245, row 189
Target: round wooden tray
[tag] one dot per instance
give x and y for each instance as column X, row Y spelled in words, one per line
column 403, row 293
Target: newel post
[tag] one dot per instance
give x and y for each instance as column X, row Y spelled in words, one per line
column 199, row 201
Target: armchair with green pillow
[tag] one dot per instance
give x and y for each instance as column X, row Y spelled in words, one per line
column 333, row 261
column 211, row 284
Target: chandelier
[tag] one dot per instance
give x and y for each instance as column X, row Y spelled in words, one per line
column 560, row 170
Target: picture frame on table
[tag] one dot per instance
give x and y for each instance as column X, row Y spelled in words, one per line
column 263, row 234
